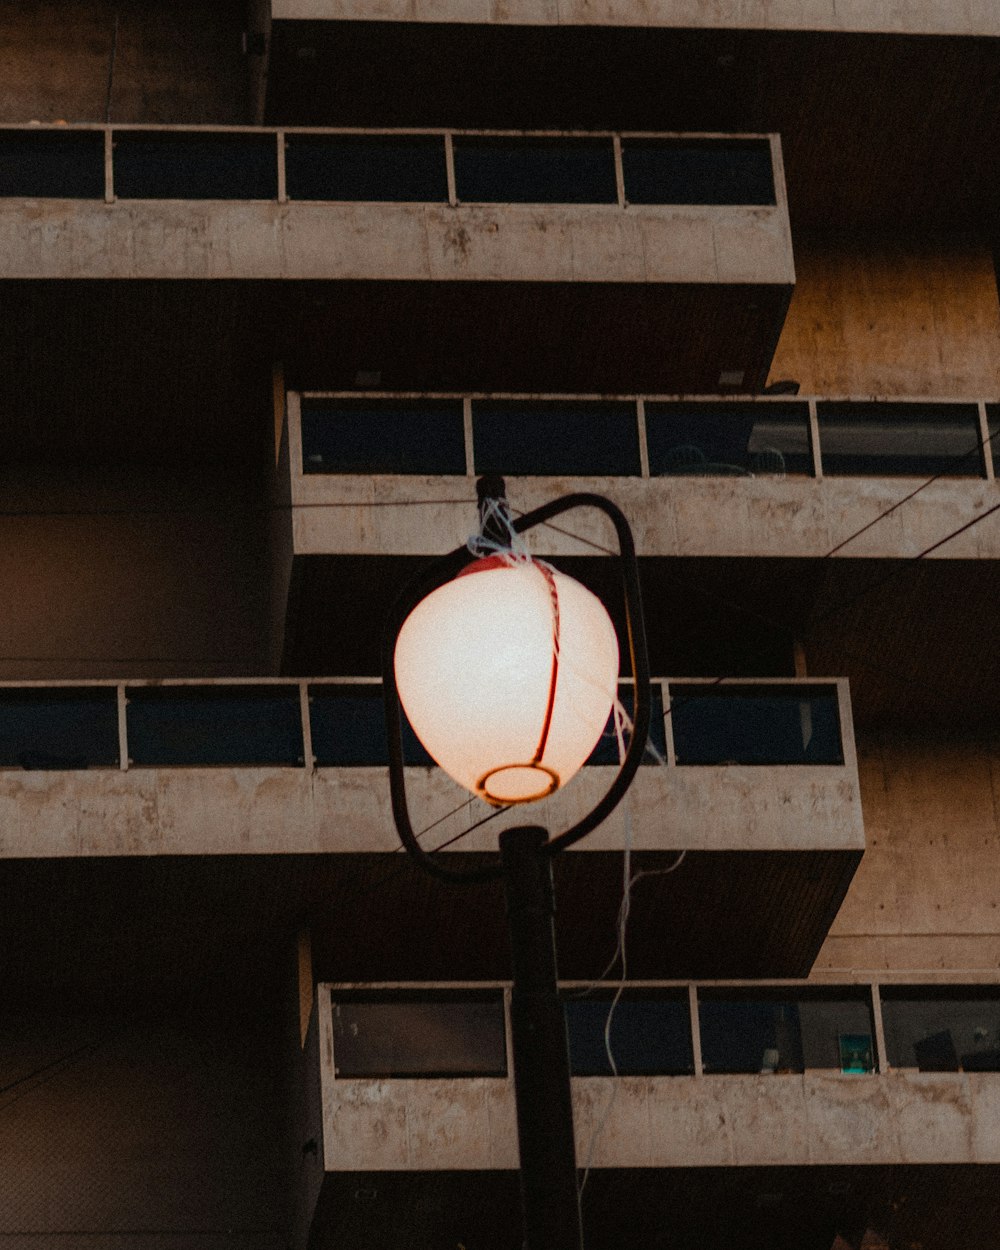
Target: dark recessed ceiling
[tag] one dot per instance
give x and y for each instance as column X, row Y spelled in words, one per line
column 175, row 371
column 703, row 617
column 161, row 930
column 877, row 129
column 919, row 641
column 752, row 1208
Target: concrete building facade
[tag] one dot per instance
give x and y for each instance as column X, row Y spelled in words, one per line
column 279, row 281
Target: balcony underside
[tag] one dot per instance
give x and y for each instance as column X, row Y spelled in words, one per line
column 883, row 158
column 173, row 350
column 167, row 929
column 752, row 1208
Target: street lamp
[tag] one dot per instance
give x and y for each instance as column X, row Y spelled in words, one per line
column 508, row 671
column 508, row 674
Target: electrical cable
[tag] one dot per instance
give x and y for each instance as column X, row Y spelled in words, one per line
column 48, row 1072
column 836, row 608
column 47, row 1067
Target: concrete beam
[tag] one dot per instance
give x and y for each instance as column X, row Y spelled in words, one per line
column 909, row 17
column 52, row 238
column 262, row 811
column 818, row 1118
column 670, row 516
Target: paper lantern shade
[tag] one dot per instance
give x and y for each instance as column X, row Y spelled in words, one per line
column 508, row 675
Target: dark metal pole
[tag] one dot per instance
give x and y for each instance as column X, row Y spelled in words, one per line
column 549, row 1194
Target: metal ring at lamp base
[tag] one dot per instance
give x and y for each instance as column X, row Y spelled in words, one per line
column 482, row 785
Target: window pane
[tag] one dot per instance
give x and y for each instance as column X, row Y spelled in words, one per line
column 214, row 725
column 366, row 167
column 519, row 170
column 176, row 166
column 942, row 1029
column 786, row 1030
column 539, row 437
column 649, row 1036
column 728, row 440
column 383, row 436
column 606, row 751
column 411, row 1038
column 747, row 1035
column 348, row 728
column 42, row 164
column 707, row 171
column 755, row 724
column 993, row 424
column 899, row 440
column 68, row 728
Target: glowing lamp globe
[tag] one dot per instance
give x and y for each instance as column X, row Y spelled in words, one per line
column 508, row 675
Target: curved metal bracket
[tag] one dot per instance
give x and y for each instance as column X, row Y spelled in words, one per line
column 443, row 570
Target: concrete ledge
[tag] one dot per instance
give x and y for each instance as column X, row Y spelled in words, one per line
column 261, row 811
column 670, row 516
column 819, row 1118
column 903, row 16
column 386, row 242
column 912, row 17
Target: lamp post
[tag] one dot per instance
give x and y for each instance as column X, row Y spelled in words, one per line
column 508, row 671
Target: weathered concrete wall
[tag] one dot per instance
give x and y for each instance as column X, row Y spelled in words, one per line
column 177, row 62
column 958, row 17
column 229, row 811
column 670, row 516
column 504, row 242
column 818, row 1118
column 128, row 571
column 927, row 893
column 140, row 1132
column 899, row 318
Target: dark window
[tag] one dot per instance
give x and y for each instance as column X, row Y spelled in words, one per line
column 755, row 724
column 366, row 167
column 43, row 164
column 406, row 1036
column 786, row 1030
column 173, row 165
column 606, row 751
column 383, row 436
column 993, row 424
column 728, row 440
column 899, row 440
column 530, row 436
column 649, row 1035
column 348, row 728
column 214, row 725
column 693, row 171
column 67, row 728
column 516, row 170
column 942, row 1028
